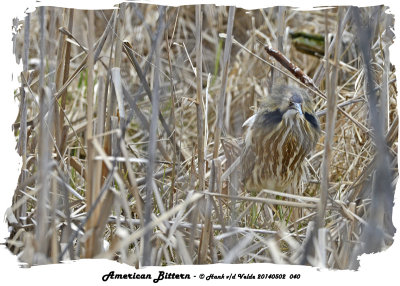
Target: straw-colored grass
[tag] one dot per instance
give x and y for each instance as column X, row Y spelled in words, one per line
column 130, row 132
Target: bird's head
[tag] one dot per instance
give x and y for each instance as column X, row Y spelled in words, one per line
column 288, row 108
column 289, row 105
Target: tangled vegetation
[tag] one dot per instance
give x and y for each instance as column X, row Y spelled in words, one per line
column 130, row 130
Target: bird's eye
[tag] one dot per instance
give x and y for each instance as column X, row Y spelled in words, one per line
column 311, row 118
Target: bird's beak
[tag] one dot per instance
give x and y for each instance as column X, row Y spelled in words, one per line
column 297, row 106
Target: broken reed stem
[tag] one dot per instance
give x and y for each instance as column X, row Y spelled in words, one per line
column 64, row 63
column 100, row 124
column 221, row 101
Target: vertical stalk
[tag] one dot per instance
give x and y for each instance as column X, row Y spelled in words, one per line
column 206, row 234
column 22, row 140
column 42, row 212
column 331, row 83
column 379, row 221
column 221, row 102
column 387, row 39
column 150, row 184
column 199, row 101
column 65, row 63
column 173, row 121
column 90, row 191
column 281, row 31
column 54, row 234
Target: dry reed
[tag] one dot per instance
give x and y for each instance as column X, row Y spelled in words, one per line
column 129, row 132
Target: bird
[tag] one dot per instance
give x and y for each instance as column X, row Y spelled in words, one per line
column 279, row 137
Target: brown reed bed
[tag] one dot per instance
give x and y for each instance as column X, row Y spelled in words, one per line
column 130, row 130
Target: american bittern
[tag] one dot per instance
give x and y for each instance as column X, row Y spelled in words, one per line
column 279, row 137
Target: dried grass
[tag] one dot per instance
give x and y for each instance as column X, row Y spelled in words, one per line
column 130, row 127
